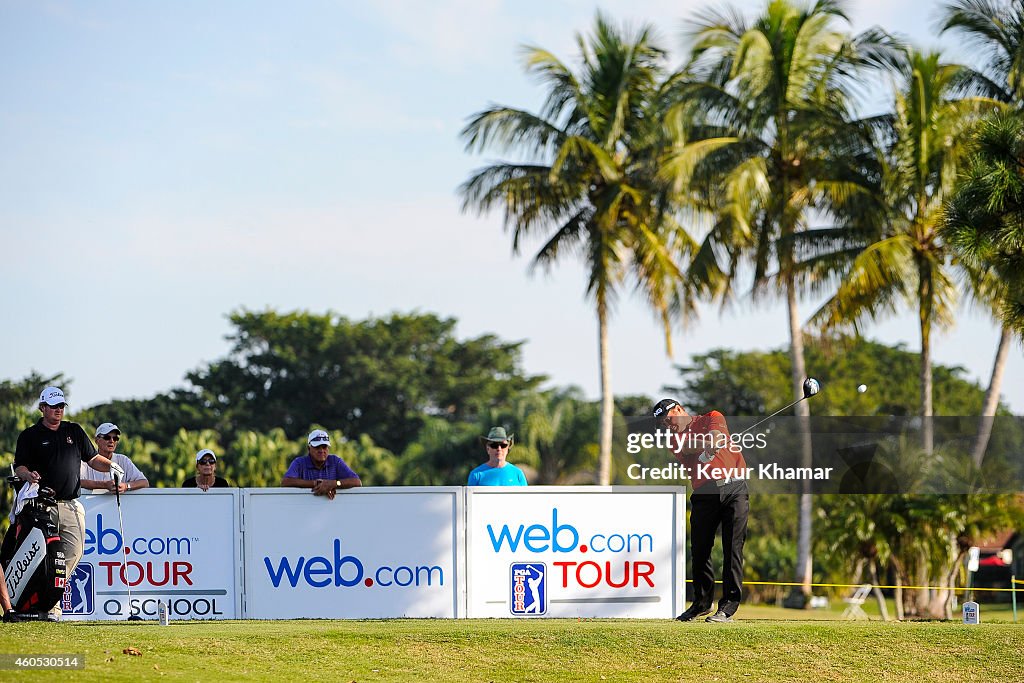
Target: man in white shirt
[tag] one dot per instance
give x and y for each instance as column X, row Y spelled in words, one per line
column 107, row 436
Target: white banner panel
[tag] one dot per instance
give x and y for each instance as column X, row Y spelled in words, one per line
column 578, row 551
column 183, row 548
column 369, row 553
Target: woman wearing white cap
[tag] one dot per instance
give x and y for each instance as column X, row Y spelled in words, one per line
column 206, row 473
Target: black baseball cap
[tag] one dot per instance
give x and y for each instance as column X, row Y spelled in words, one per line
column 663, row 406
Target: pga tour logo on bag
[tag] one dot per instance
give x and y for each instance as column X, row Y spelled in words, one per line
column 529, row 588
column 80, row 591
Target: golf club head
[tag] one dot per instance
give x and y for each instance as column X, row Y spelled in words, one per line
column 811, row 387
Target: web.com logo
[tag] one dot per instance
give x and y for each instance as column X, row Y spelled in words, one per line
column 319, row 571
column 565, row 538
column 560, row 537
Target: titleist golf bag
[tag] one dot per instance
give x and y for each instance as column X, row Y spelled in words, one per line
column 32, row 556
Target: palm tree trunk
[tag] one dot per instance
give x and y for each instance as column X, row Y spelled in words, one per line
column 604, row 475
column 922, row 596
column 883, row 609
column 950, row 582
column 898, row 594
column 927, row 434
column 803, row 413
column 988, row 411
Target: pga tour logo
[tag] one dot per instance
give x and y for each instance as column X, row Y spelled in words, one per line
column 529, row 588
column 80, row 591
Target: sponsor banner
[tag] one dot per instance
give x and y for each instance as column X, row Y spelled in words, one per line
column 575, row 551
column 369, row 553
column 181, row 548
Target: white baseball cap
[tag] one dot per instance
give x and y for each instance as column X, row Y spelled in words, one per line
column 205, row 451
column 51, row 396
column 106, row 428
column 319, row 437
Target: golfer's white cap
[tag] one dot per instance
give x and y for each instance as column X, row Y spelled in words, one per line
column 51, row 396
column 106, row 428
column 205, row 451
column 319, row 437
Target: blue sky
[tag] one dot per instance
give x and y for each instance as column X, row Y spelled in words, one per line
column 166, row 163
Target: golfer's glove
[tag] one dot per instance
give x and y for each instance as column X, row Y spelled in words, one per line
column 116, row 470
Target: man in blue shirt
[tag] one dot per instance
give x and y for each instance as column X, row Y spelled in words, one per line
column 320, row 470
column 496, row 471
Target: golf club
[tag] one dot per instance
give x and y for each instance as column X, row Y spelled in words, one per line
column 124, row 548
column 811, row 388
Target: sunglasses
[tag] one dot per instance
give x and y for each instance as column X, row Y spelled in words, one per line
column 59, row 406
column 110, row 437
column 207, row 461
column 497, row 444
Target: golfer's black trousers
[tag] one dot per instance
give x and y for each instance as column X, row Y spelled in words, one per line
column 711, row 507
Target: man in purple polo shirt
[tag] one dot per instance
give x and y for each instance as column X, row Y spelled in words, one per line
column 321, row 471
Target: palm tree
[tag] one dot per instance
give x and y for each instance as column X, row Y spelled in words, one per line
column 989, row 292
column 997, row 29
column 589, row 186
column 909, row 262
column 769, row 139
column 982, row 220
column 860, row 527
column 558, row 427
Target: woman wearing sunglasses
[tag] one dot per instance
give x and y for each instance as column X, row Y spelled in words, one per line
column 206, row 473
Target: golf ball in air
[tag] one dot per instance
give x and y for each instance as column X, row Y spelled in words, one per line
column 862, row 388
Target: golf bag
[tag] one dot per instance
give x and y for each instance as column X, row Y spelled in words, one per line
column 32, row 555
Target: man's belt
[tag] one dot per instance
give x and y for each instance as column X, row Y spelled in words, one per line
column 718, row 482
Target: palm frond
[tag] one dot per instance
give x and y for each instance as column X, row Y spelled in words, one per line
column 508, row 128
column 876, row 282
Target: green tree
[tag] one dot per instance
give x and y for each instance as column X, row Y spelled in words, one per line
column 557, row 432
column 382, row 377
column 909, row 262
column 589, row 184
column 742, row 383
column 982, row 224
column 153, row 419
column 858, row 529
column 174, row 460
column 443, row 454
column 256, row 459
column 996, row 28
column 984, row 216
column 770, row 136
column 922, row 538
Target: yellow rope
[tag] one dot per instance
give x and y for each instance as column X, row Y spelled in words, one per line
column 857, row 585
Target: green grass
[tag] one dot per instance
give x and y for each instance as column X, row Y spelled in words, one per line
column 757, row 648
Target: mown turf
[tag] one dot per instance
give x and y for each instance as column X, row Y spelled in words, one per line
column 526, row 650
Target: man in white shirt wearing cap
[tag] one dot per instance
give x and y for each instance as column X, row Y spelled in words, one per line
column 320, row 470
column 108, row 435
